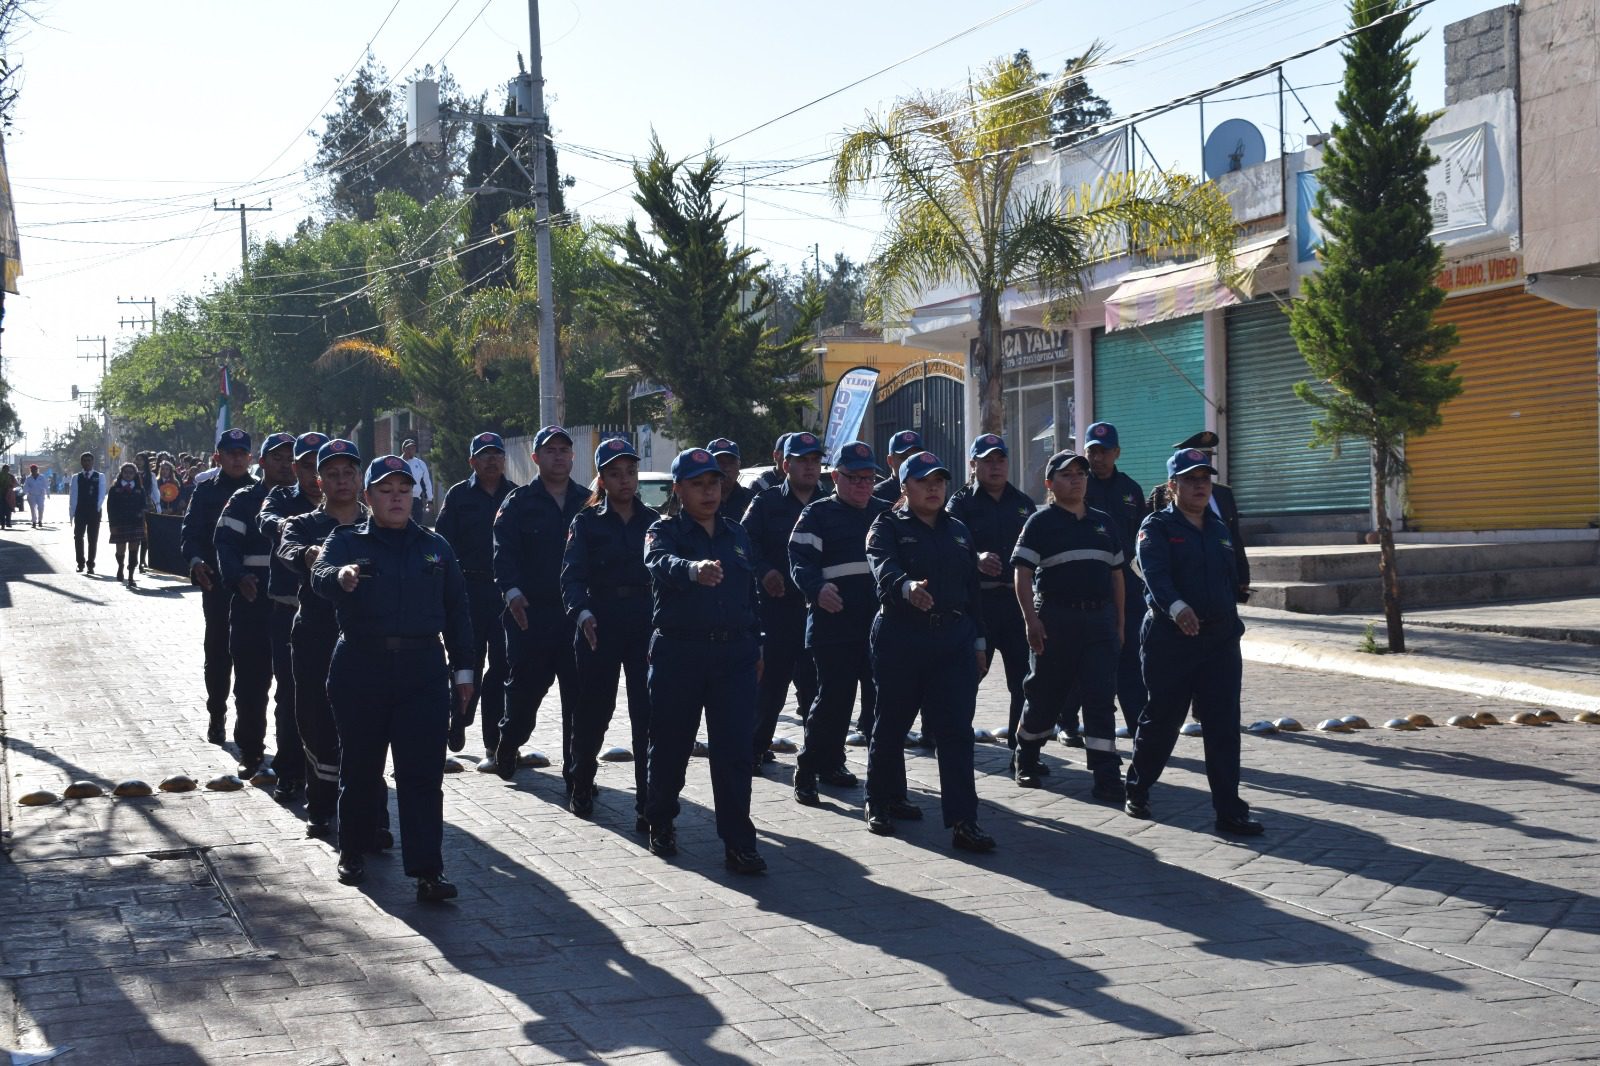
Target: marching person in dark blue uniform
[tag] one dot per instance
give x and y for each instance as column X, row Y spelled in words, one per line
column 243, row 559
column 828, row 561
column 993, row 510
column 396, row 588
column 1190, row 643
column 283, row 583
column 705, row 655
column 769, row 520
column 735, row 497
column 1118, row 495
column 314, row 634
column 605, row 588
column 902, row 446
column 1223, row 505
column 466, row 520
column 928, row 652
column 530, row 534
column 197, row 541
column 1069, row 567
column 771, row 479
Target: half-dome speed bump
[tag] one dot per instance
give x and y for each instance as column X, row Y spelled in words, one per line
column 179, row 783
column 1334, row 725
column 1288, row 725
column 1355, row 721
column 616, row 754
column 1405, row 725
column 1192, row 729
column 1587, row 717
column 1486, row 718
column 1420, row 720
column 859, row 740
column 783, row 745
column 453, row 765
column 1465, row 721
column 1262, row 728
column 265, row 777
column 132, row 788
column 80, row 790
column 225, row 783
column 1527, row 718
column 537, row 760
column 40, row 798
column 1548, row 714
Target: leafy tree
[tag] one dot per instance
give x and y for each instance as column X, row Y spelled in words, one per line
column 84, row 435
column 11, row 12
column 844, row 285
column 362, row 149
column 498, row 186
column 947, row 167
column 10, row 424
column 164, row 384
column 1365, row 323
column 1075, row 109
column 689, row 310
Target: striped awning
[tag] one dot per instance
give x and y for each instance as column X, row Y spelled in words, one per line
column 1174, row 292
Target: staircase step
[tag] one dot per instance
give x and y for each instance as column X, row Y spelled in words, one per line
column 1301, row 540
column 1427, row 590
column 1347, row 562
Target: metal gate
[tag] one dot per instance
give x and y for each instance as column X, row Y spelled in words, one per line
column 928, row 397
column 1149, row 382
column 1271, row 466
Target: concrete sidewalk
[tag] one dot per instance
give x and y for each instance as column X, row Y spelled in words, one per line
column 1496, row 650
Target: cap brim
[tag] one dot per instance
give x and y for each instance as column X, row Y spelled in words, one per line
column 387, row 474
column 990, row 451
column 613, row 458
column 1207, row 467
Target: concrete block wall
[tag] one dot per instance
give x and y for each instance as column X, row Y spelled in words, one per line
column 1480, row 54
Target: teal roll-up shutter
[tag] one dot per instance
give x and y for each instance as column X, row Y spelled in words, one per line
column 1270, row 466
column 1147, row 383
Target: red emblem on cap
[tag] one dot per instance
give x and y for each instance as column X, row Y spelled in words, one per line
column 699, row 456
column 929, row 459
column 806, row 438
column 861, row 449
column 1193, row 456
column 486, row 438
column 392, row 463
column 991, row 439
column 615, row 445
column 338, row 446
column 1099, row 431
column 235, row 433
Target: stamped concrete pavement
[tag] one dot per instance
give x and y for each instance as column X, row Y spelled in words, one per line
column 1419, row 897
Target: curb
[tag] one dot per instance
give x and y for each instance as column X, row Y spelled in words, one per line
column 1569, row 635
column 1417, row 670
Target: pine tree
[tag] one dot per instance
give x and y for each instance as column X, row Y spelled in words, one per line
column 1365, row 323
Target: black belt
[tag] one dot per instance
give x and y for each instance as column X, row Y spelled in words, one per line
column 1077, row 605
column 714, row 636
column 395, row 643
column 933, row 619
column 621, row 592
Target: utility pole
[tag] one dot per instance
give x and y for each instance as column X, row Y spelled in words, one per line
column 549, row 386
column 100, row 392
column 244, row 233
column 137, row 322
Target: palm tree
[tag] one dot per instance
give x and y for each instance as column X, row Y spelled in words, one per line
column 947, row 168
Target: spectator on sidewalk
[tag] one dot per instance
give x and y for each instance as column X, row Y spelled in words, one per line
column 125, row 503
column 170, row 494
column 8, row 495
column 88, row 492
column 34, row 487
column 421, row 482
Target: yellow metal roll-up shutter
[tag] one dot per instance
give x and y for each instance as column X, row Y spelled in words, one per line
column 1520, row 447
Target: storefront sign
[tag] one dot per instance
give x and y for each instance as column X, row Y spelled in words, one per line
column 1476, row 273
column 1023, row 348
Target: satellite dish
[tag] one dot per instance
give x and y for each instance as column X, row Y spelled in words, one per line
column 1233, row 145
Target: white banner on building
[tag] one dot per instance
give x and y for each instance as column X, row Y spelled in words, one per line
column 1457, row 191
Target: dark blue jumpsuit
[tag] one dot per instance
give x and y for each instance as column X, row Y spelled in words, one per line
column 887, row 490
column 995, row 526
column 829, row 546
column 703, row 657
column 1121, row 497
column 1072, row 560
column 197, row 540
column 769, row 520
column 311, row 642
column 737, row 503
column 1185, row 565
column 466, row 520
column 925, row 660
column 283, row 585
column 603, row 574
column 242, row 551
column 530, row 534
column 388, row 683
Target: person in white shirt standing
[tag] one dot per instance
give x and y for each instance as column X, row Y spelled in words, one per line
column 35, row 486
column 421, row 482
column 88, row 493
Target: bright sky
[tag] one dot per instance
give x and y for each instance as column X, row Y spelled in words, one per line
column 135, row 117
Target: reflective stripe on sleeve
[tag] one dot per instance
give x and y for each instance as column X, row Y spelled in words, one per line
column 845, row 570
column 1025, row 555
column 810, row 540
column 233, row 524
column 257, row 560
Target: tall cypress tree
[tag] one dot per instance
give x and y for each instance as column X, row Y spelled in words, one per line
column 1365, row 323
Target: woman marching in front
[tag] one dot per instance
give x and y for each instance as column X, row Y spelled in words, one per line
column 705, row 655
column 928, row 651
column 396, row 588
column 606, row 589
column 1189, row 642
column 125, row 503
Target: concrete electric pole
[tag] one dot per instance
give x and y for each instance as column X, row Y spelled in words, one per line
column 244, row 233
column 135, row 323
column 549, row 386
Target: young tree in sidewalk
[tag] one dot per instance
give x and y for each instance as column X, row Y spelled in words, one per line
column 959, row 211
column 1365, row 323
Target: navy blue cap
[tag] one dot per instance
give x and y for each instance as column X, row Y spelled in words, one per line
column 1102, row 433
column 921, row 465
column 386, row 466
column 615, row 448
column 308, row 443
column 777, row 449
column 486, row 440
column 855, row 456
column 724, row 446
column 233, row 440
column 798, row 444
column 692, row 463
column 545, row 435
column 907, row 440
column 1062, row 459
column 984, row 443
column 338, row 448
column 1186, row 459
column 277, row 440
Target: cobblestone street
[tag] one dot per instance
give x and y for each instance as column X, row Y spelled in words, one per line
column 1418, row 897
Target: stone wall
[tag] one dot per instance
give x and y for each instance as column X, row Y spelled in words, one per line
column 1559, row 57
column 1480, row 54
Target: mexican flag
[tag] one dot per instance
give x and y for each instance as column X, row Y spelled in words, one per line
column 224, row 422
